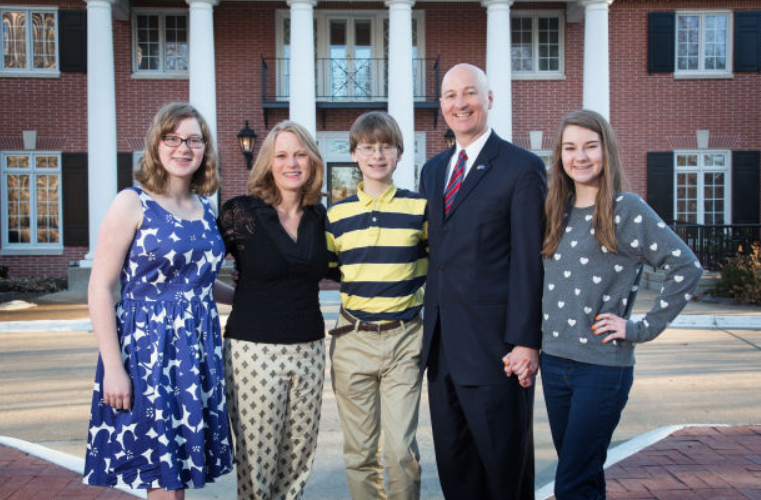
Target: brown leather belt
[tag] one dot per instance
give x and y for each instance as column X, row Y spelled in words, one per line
column 364, row 326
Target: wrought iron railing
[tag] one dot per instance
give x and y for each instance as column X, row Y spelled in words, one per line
column 714, row 244
column 349, row 80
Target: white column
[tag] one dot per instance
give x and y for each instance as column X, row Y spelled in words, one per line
column 401, row 97
column 596, row 94
column 201, row 69
column 101, row 118
column 499, row 65
column 301, row 83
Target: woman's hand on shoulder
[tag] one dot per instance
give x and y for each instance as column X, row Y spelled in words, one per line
column 610, row 324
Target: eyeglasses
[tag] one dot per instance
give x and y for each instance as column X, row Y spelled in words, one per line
column 174, row 141
column 367, row 150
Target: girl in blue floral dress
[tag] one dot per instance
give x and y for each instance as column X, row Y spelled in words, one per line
column 159, row 415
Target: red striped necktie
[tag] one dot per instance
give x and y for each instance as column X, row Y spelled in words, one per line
column 455, row 181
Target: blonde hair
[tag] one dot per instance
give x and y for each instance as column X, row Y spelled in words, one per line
column 261, row 183
column 375, row 126
column 562, row 190
column 152, row 174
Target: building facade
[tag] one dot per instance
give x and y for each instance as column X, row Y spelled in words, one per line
column 80, row 80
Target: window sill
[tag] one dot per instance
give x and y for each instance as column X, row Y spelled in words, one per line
column 538, row 76
column 10, row 251
column 158, row 75
column 703, row 76
column 29, row 74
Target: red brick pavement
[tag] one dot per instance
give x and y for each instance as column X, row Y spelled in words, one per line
column 696, row 463
column 24, row 477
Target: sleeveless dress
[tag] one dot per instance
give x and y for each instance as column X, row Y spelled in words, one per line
column 176, row 435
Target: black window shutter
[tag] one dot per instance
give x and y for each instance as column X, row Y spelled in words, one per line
column 72, row 25
column 660, row 184
column 661, row 27
column 123, row 170
column 74, row 183
column 746, row 190
column 747, row 41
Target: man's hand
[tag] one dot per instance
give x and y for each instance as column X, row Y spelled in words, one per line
column 523, row 362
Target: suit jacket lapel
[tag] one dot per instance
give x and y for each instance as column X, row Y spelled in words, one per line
column 478, row 171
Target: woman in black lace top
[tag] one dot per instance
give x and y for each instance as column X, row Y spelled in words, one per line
column 274, row 348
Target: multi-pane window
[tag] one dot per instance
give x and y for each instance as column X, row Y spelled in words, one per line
column 536, row 43
column 350, row 68
column 703, row 42
column 702, row 184
column 351, row 60
column 546, row 157
column 30, row 40
column 160, row 42
column 31, row 200
column 418, row 68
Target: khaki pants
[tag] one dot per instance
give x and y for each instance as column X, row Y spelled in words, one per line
column 274, row 396
column 377, row 382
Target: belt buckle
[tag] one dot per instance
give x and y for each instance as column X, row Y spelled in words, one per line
column 369, row 326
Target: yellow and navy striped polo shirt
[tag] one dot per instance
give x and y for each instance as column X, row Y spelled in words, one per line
column 380, row 245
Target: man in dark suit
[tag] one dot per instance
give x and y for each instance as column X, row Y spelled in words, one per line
column 483, row 299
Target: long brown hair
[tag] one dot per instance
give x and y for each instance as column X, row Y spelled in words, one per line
column 562, row 190
column 262, row 184
column 152, row 174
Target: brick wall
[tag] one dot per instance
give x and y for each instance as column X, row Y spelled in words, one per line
column 647, row 111
column 650, row 111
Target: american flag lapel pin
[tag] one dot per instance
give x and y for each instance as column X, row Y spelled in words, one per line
column 481, row 167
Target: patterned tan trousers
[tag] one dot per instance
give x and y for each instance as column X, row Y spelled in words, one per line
column 274, row 397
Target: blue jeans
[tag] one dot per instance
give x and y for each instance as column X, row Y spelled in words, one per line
column 584, row 404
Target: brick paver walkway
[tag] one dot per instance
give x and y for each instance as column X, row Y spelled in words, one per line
column 24, row 477
column 697, row 463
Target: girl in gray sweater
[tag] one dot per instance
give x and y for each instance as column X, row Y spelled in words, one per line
column 596, row 242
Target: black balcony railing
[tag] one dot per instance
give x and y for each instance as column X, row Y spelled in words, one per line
column 346, row 81
column 714, row 244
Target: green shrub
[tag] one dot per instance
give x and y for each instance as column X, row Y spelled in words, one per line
column 741, row 277
column 33, row 284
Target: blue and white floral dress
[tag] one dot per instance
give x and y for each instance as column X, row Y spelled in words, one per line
column 176, row 435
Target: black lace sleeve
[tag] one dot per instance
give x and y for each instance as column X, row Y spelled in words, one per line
column 236, row 222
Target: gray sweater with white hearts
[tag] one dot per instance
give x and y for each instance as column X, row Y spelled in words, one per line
column 583, row 279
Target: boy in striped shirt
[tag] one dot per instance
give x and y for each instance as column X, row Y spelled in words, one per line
column 377, row 240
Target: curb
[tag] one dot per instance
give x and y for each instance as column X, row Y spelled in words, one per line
column 682, row 322
column 58, row 458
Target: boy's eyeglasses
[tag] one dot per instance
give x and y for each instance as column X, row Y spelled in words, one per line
column 174, row 141
column 367, row 150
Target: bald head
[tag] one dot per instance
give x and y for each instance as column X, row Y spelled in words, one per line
column 465, row 102
column 464, row 69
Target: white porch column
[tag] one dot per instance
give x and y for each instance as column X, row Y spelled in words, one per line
column 201, row 69
column 400, row 85
column 101, row 118
column 301, row 80
column 596, row 93
column 499, row 65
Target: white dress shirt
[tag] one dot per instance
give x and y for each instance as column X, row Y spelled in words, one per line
column 473, row 150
